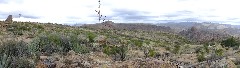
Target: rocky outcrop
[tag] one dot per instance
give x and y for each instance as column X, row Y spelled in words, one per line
column 9, row 19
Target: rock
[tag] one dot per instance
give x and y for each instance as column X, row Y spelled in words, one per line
column 9, row 19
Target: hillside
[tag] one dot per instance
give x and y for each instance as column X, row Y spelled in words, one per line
column 104, row 45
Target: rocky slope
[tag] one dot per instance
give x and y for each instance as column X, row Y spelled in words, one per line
column 203, row 36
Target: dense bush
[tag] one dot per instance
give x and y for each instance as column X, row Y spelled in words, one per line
column 55, row 42
column 14, row 48
column 138, row 43
column 230, row 42
column 119, row 52
column 108, row 50
column 201, row 56
column 80, row 49
column 176, row 49
column 14, row 54
column 91, row 36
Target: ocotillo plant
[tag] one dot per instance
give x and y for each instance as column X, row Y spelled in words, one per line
column 99, row 13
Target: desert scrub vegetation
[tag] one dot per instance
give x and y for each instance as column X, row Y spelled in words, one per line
column 15, row 54
column 231, row 42
column 201, row 55
column 117, row 52
column 19, row 54
column 91, row 36
column 55, row 42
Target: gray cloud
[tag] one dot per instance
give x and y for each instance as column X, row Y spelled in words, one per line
column 189, row 19
column 29, row 16
column 181, row 20
column 15, row 14
column 131, row 15
column 178, row 13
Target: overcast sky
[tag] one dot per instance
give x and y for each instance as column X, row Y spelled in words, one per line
column 122, row 11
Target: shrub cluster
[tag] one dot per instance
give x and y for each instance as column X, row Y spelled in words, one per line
column 118, row 52
column 14, row 54
column 55, row 42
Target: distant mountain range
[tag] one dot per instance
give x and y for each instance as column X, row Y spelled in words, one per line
column 223, row 28
column 196, row 32
column 128, row 26
column 205, row 25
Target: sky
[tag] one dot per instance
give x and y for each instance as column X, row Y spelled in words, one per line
column 122, row 11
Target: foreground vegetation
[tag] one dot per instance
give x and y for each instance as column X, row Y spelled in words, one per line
column 30, row 45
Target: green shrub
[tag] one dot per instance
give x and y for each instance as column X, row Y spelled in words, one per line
column 38, row 26
column 176, row 49
column 219, row 52
column 14, row 48
column 107, row 50
column 206, row 48
column 91, row 36
column 152, row 53
column 119, row 52
column 65, row 44
column 138, row 43
column 56, row 42
column 20, row 62
column 18, row 32
column 47, row 44
column 18, row 27
column 230, row 42
column 122, row 52
column 80, row 48
column 14, row 54
column 201, row 56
